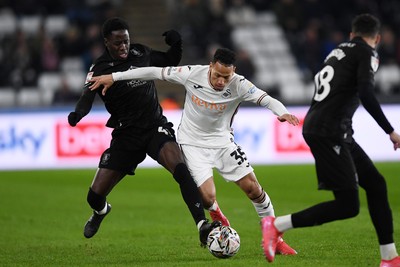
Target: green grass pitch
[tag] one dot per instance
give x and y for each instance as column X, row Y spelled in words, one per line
column 42, row 214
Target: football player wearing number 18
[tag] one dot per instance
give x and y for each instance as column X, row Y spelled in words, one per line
column 213, row 95
column 346, row 78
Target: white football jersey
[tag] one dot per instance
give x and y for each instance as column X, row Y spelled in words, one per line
column 208, row 114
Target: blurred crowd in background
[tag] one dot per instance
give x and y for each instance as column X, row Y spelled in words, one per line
column 53, row 40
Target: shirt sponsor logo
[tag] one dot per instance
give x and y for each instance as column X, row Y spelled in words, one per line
column 136, row 53
column 135, row 83
column 211, row 106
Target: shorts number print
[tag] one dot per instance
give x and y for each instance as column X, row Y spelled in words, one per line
column 240, row 156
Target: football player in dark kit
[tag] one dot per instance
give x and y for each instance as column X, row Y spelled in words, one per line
column 139, row 127
column 346, row 78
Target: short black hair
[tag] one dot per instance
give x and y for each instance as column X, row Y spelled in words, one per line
column 366, row 25
column 113, row 24
column 224, row 56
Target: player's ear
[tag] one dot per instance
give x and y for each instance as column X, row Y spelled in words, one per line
column 377, row 39
column 351, row 35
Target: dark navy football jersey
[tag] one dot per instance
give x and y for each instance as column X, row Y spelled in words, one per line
column 346, row 77
column 132, row 102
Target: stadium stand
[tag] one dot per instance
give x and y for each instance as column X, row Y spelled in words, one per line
column 285, row 41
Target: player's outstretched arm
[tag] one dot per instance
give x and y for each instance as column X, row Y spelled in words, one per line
column 144, row 73
column 278, row 109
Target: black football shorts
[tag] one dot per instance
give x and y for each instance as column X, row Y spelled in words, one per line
column 333, row 161
column 128, row 148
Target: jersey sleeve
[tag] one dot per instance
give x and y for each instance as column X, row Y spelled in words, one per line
column 171, row 57
column 249, row 92
column 368, row 65
column 177, row 75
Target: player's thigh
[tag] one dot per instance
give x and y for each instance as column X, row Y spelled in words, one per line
column 369, row 176
column 126, row 152
column 200, row 162
column 232, row 163
column 334, row 163
column 162, row 146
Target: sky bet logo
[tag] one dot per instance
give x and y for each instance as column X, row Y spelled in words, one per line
column 289, row 138
column 12, row 139
column 84, row 140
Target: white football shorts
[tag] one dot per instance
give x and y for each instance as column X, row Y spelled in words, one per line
column 231, row 162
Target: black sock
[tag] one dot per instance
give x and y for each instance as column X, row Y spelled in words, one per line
column 345, row 205
column 95, row 201
column 190, row 192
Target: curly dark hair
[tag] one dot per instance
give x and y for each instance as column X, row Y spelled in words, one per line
column 224, row 56
column 113, row 24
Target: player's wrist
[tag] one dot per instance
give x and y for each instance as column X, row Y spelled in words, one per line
column 115, row 76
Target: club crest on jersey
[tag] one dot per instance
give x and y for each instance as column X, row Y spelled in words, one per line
column 227, row 93
column 374, row 63
column 89, row 76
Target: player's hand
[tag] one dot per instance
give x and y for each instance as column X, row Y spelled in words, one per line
column 104, row 80
column 395, row 138
column 172, row 37
column 74, row 118
column 292, row 119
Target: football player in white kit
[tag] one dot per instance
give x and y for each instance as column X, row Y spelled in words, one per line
column 213, row 95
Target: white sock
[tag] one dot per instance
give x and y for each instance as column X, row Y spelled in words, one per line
column 214, row 206
column 264, row 208
column 283, row 223
column 103, row 211
column 388, row 251
column 200, row 223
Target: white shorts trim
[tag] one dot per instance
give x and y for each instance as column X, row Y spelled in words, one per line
column 230, row 162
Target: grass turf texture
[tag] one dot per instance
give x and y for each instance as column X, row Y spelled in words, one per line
column 43, row 212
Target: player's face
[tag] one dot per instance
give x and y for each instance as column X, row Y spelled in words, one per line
column 220, row 75
column 118, row 44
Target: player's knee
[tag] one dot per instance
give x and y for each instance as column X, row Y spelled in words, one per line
column 377, row 186
column 349, row 203
column 351, row 210
column 95, row 200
